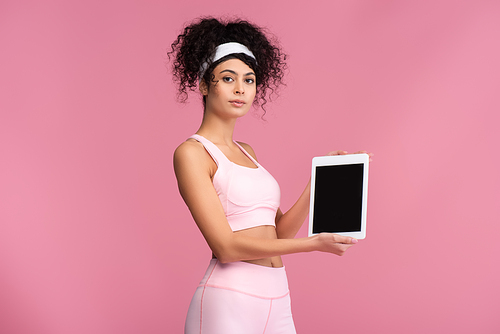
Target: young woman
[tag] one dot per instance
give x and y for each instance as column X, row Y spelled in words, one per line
column 232, row 198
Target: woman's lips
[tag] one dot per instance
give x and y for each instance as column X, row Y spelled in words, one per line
column 237, row 103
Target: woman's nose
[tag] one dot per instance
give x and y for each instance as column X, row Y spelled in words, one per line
column 238, row 88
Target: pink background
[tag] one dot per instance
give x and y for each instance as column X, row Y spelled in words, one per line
column 94, row 237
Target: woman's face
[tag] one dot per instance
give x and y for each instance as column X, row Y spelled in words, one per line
column 233, row 90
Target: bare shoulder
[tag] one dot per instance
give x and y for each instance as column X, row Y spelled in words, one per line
column 249, row 149
column 188, row 149
column 190, row 153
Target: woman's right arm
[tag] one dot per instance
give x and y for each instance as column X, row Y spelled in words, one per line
column 192, row 168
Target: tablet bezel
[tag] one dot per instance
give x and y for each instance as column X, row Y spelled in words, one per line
column 335, row 160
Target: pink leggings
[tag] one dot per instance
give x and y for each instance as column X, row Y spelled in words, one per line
column 241, row 298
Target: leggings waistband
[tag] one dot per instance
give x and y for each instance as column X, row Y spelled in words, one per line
column 248, row 278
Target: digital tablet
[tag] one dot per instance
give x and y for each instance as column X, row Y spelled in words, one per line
column 339, row 186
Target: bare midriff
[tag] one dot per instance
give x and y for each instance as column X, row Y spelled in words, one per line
column 262, row 232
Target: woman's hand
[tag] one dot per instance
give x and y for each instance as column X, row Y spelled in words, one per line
column 340, row 152
column 334, row 243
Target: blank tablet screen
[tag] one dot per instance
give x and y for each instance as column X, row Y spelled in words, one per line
column 338, row 198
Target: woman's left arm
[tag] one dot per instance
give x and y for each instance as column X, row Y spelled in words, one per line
column 289, row 223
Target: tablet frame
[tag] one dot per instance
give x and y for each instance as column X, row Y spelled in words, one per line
column 335, row 160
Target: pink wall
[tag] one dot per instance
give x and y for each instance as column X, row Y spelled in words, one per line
column 94, row 237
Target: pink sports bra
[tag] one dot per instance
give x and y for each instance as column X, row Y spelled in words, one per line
column 250, row 196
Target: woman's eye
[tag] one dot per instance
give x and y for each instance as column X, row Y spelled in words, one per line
column 249, row 81
column 227, row 79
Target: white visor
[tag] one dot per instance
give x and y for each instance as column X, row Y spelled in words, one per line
column 226, row 49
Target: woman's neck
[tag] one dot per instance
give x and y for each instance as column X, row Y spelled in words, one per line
column 217, row 130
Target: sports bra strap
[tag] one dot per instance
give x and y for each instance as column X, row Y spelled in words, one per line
column 247, row 154
column 210, row 147
column 217, row 154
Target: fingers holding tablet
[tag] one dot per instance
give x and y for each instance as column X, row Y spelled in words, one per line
column 334, row 243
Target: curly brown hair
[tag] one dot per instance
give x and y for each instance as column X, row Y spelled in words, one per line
column 198, row 42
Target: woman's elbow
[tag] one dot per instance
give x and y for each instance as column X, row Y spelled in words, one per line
column 226, row 257
column 225, row 254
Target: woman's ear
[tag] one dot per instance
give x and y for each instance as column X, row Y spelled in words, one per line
column 203, row 88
